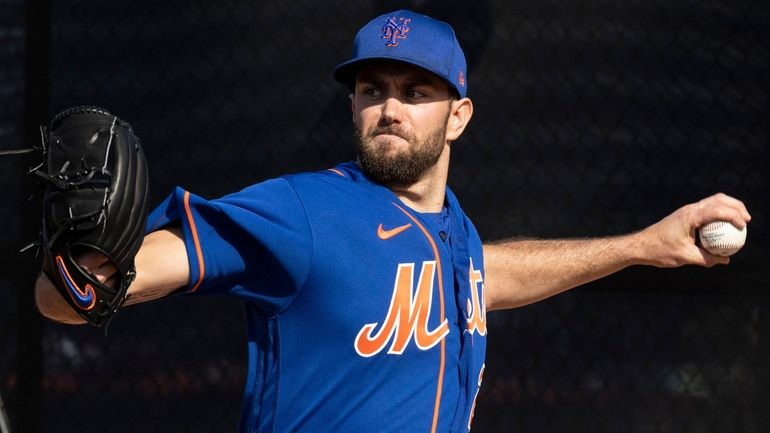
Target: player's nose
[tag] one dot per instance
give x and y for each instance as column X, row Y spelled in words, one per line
column 392, row 111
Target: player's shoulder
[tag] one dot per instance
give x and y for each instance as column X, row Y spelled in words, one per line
column 303, row 184
column 346, row 174
column 344, row 186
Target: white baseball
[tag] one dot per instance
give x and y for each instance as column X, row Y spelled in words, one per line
column 722, row 238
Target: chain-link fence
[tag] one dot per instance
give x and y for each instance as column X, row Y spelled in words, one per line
column 591, row 118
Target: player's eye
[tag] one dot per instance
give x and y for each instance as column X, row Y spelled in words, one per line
column 415, row 94
column 372, row 92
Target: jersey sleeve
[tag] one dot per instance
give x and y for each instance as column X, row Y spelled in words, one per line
column 255, row 244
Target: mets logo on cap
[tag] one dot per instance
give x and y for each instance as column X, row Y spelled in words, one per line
column 395, row 29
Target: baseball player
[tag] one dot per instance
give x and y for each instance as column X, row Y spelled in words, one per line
column 366, row 286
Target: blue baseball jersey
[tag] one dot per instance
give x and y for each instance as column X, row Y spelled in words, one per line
column 363, row 315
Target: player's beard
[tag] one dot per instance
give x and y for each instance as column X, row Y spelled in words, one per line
column 405, row 167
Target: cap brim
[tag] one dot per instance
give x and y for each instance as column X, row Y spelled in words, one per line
column 345, row 72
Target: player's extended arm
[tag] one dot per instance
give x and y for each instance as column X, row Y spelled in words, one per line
column 520, row 272
column 161, row 268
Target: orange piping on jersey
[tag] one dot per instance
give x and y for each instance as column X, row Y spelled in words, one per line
column 441, row 298
column 196, row 241
column 334, row 170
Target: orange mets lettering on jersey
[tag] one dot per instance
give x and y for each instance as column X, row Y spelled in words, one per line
column 477, row 312
column 407, row 316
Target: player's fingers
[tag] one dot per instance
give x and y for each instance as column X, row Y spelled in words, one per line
column 106, row 272
column 710, row 260
column 732, row 202
column 700, row 257
column 721, row 208
column 97, row 264
column 724, row 200
column 90, row 260
column 723, row 214
column 112, row 281
column 736, row 204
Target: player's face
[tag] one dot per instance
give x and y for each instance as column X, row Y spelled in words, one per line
column 400, row 115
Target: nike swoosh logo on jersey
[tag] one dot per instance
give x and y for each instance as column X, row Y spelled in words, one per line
column 387, row 234
column 84, row 299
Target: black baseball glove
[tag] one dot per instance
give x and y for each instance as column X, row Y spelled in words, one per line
column 95, row 199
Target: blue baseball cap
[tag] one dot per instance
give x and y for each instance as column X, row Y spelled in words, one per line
column 408, row 37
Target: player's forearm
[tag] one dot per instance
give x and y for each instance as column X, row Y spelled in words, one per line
column 161, row 267
column 520, row 272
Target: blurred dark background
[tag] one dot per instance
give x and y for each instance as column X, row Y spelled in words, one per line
column 592, row 118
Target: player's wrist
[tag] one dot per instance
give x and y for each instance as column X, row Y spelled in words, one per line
column 52, row 305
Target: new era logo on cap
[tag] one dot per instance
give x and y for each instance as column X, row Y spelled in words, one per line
column 412, row 38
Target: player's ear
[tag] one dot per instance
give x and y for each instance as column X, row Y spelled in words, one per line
column 461, row 111
column 353, row 106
